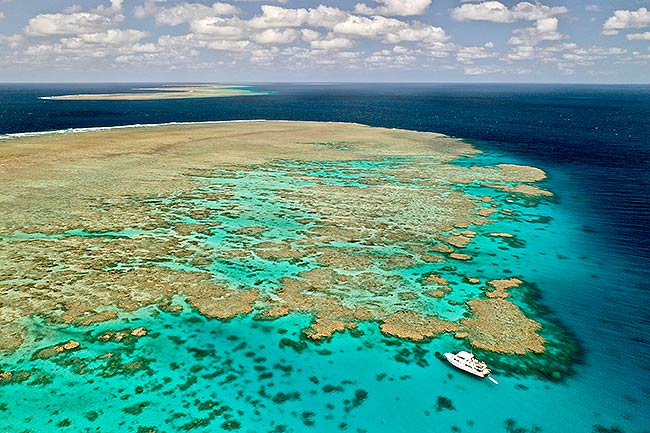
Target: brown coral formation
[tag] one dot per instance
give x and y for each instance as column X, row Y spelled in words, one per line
column 51, row 351
column 501, row 286
column 324, row 328
column 219, row 302
column 436, row 279
column 139, row 332
column 97, row 318
column 127, row 183
column 529, row 190
column 459, row 241
column 413, row 326
column 486, row 211
column 500, row 326
column 501, row 235
column 408, row 296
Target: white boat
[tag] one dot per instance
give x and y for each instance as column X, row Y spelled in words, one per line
column 465, row 361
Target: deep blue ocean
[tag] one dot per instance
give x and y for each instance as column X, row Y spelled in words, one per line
column 593, row 142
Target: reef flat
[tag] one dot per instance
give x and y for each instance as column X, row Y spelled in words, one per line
column 161, row 93
column 342, row 222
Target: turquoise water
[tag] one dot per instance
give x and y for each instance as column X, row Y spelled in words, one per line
column 190, row 373
column 199, row 375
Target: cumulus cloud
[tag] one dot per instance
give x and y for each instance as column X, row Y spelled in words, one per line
column 390, row 59
column 276, row 16
column 545, row 17
column 12, row 41
column 215, row 33
column 217, row 27
column 624, row 19
column 645, row 36
column 2, row 15
column 112, row 37
column 542, row 54
column 184, row 12
column 331, row 44
column 567, row 57
column 495, row 69
column 531, row 12
column 394, row 7
column 390, row 30
column 325, row 16
column 277, row 36
column 587, row 56
column 544, row 30
column 497, row 12
column 97, row 20
column 468, row 55
column 486, row 11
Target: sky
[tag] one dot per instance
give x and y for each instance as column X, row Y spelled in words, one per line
column 549, row 41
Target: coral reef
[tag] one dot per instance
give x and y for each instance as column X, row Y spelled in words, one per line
column 276, row 221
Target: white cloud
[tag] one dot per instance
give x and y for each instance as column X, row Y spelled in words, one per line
column 486, row 11
column 645, row 36
column 468, row 55
column 89, row 47
column 332, row 44
column 563, row 55
column 567, row 57
column 217, row 27
column 309, row 35
column 192, row 41
column 2, row 15
column 592, row 8
column 390, row 30
column 62, row 24
column 587, row 56
column 532, row 12
column 544, row 30
column 499, row 13
column 277, row 36
column 545, row 17
column 495, row 69
column 97, row 20
column 624, row 19
column 12, row 41
column 112, row 37
column 325, row 16
column 304, row 38
column 184, row 12
column 394, row 8
column 393, row 59
column 276, row 16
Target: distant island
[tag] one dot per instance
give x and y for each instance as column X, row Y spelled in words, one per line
column 162, row 93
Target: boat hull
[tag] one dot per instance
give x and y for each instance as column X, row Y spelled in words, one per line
column 461, row 365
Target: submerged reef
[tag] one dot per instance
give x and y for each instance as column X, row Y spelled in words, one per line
column 264, row 218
